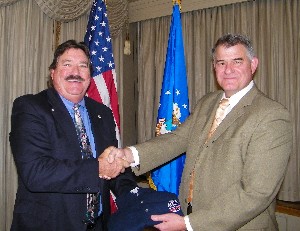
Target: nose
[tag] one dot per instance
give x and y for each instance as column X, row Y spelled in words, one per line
column 75, row 70
column 229, row 68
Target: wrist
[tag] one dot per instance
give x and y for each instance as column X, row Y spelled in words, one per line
column 128, row 155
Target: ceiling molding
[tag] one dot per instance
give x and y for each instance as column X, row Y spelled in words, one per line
column 140, row 10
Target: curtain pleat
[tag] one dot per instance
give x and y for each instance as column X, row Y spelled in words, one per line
column 25, row 48
column 152, row 49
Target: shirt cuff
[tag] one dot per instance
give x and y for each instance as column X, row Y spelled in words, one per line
column 136, row 157
column 187, row 223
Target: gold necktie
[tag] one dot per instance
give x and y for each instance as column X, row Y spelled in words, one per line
column 220, row 115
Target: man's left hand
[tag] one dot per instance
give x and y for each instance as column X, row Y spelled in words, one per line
column 170, row 222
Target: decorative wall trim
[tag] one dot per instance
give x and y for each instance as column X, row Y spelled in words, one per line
column 140, row 10
column 64, row 10
column 7, row 2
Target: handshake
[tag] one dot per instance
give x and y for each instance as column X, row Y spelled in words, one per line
column 113, row 161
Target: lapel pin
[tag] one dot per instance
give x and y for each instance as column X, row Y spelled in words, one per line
column 99, row 116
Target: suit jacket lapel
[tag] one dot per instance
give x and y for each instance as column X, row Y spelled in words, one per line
column 97, row 128
column 203, row 129
column 97, row 125
column 214, row 106
column 62, row 119
column 236, row 112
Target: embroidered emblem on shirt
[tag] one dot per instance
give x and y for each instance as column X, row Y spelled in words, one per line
column 174, row 206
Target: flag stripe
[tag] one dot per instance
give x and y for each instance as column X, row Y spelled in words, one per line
column 111, row 85
column 93, row 91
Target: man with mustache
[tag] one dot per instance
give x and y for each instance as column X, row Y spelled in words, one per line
column 59, row 166
column 74, row 78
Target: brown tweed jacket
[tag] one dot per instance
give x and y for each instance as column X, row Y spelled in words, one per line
column 239, row 171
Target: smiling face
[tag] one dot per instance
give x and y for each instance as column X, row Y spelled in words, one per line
column 234, row 68
column 71, row 76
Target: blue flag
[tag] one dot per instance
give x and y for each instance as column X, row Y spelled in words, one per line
column 174, row 105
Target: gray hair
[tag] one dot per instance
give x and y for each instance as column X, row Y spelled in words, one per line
column 230, row 40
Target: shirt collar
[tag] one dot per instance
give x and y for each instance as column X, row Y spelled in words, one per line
column 70, row 104
column 234, row 99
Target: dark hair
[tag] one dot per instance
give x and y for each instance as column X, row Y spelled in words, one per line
column 64, row 47
column 230, row 40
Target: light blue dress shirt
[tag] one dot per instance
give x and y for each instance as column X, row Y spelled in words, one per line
column 87, row 124
column 86, row 120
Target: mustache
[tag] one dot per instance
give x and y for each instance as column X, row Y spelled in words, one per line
column 74, row 77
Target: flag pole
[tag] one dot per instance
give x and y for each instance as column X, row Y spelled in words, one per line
column 177, row 2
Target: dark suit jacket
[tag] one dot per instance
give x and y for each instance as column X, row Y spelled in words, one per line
column 53, row 179
column 238, row 172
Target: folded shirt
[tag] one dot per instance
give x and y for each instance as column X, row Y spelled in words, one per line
column 136, row 207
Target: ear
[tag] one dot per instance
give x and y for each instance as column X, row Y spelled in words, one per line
column 254, row 64
column 51, row 73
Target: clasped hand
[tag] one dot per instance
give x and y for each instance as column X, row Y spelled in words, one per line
column 112, row 162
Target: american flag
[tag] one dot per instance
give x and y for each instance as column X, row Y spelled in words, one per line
column 103, row 87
